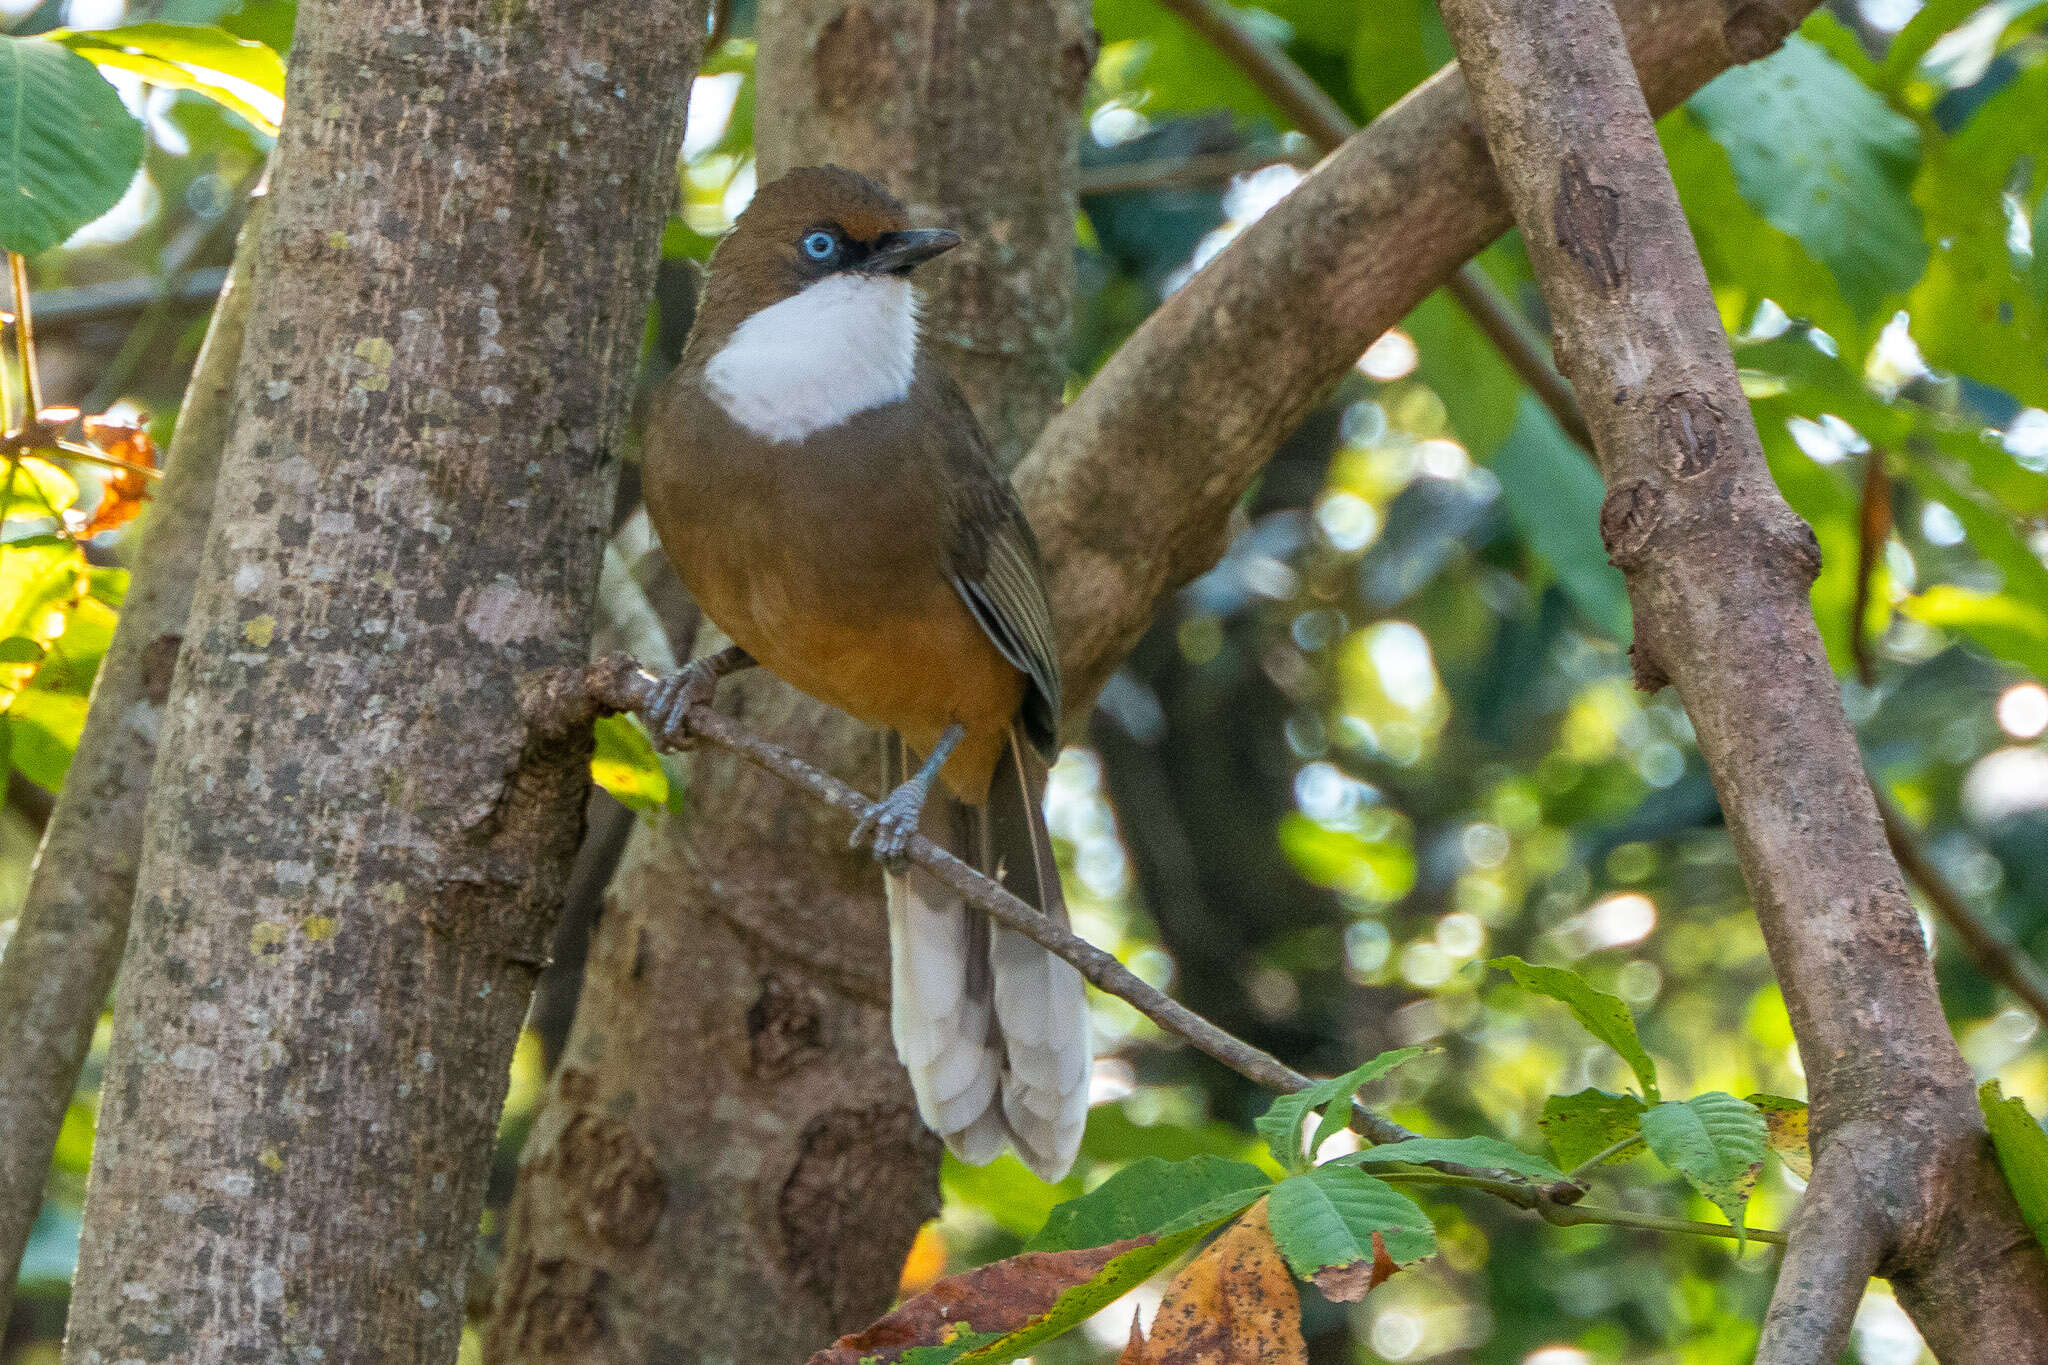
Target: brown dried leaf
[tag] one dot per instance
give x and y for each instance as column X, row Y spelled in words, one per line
column 996, row 1298
column 1350, row 1283
column 125, row 488
column 1235, row 1304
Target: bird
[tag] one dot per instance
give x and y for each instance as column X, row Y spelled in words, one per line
column 824, row 491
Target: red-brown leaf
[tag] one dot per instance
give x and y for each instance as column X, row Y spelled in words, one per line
column 125, row 488
column 1350, row 1283
column 999, row 1297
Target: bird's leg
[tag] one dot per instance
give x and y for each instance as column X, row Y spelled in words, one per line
column 694, row 684
column 890, row 823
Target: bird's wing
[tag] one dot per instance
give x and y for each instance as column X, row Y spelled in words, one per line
column 993, row 561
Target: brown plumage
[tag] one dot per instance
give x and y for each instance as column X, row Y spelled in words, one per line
column 824, row 491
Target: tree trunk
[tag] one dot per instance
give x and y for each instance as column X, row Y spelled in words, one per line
column 729, row 1164
column 1719, row 570
column 353, row 849
column 60, row 963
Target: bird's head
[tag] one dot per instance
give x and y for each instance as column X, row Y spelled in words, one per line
column 812, row 224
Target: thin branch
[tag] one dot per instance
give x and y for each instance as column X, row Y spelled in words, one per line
column 25, row 336
column 1573, row 1215
column 1996, row 955
column 1838, row 1240
column 559, row 700
column 1295, row 93
column 58, row 309
column 1585, row 1168
column 1873, row 527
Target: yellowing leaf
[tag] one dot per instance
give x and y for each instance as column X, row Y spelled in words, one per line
column 1235, row 1304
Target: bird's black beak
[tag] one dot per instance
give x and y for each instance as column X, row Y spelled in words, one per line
column 898, row 253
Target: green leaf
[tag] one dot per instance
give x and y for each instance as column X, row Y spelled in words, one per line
column 19, row 649
column 1490, row 1153
column 1785, row 1121
column 1603, row 1015
column 1715, row 1141
column 1553, row 496
column 41, row 490
column 43, row 729
column 1921, row 32
column 2000, row 623
column 2022, row 1150
column 625, row 764
column 1152, row 1196
column 1282, row 1122
column 1582, row 1126
column 1980, row 311
column 1481, row 394
column 1325, row 1220
column 34, row 579
column 1400, row 44
column 187, row 57
column 1822, row 156
column 71, row 146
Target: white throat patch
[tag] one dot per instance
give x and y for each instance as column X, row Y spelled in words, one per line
column 843, row 345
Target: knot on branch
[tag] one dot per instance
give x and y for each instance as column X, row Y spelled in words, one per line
column 1587, row 218
column 1689, row 433
column 1629, row 516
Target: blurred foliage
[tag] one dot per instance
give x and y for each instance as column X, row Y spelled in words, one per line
column 1393, row 734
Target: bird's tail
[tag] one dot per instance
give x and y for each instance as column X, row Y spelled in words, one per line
column 992, row 1028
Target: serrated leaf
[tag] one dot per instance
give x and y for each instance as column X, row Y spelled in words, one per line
column 1334, row 1223
column 68, row 146
column 1488, row 1153
column 189, row 57
column 1715, row 1141
column 1281, row 1124
column 625, row 764
column 1151, row 1196
column 1604, row 1015
column 1785, row 1122
column 1825, row 159
column 2022, row 1150
column 1583, row 1125
column 1234, row 1304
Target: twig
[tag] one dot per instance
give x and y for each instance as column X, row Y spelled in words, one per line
column 1874, row 524
column 1563, row 1215
column 1613, row 1149
column 560, row 699
column 25, row 336
column 61, row 308
column 1310, row 108
column 1997, row 956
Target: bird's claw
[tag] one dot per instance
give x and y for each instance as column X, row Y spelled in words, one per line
column 668, row 712
column 888, row 826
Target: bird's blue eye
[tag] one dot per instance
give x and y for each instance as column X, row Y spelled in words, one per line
column 820, row 246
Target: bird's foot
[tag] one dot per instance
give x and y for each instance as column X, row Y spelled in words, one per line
column 889, row 824
column 668, row 713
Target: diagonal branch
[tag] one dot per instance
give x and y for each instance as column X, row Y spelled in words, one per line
column 1131, row 487
column 559, row 701
column 1312, row 110
column 1719, row 572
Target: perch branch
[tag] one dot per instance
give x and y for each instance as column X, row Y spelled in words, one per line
column 557, row 701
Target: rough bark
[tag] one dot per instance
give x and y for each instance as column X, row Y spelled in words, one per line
column 1718, row 570
column 353, row 849
column 1131, row 487
column 765, row 1206
column 60, row 963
